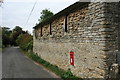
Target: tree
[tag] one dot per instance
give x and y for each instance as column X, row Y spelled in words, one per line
column 25, row 41
column 45, row 14
column 15, row 33
column 16, row 37
column 6, row 36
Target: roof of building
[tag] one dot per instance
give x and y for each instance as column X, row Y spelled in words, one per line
column 66, row 11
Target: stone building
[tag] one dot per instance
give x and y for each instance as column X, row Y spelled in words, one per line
column 90, row 30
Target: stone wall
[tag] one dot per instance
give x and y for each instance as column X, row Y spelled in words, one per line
column 119, row 26
column 90, row 34
column 112, row 31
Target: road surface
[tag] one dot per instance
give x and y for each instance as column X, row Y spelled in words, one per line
column 17, row 65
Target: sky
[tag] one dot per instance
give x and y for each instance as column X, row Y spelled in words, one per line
column 16, row 12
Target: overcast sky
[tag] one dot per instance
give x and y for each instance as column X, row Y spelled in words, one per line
column 16, row 12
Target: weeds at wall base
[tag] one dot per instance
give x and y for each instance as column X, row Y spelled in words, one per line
column 65, row 75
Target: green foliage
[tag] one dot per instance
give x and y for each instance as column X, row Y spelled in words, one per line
column 5, row 36
column 60, row 72
column 9, row 36
column 17, row 37
column 14, row 35
column 45, row 14
column 69, row 75
column 17, row 29
column 25, row 41
column 29, row 45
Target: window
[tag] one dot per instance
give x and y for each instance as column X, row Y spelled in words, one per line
column 66, row 23
column 50, row 28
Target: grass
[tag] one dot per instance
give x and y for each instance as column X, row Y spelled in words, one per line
column 0, row 49
column 58, row 71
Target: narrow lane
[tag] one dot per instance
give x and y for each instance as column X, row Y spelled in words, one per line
column 16, row 65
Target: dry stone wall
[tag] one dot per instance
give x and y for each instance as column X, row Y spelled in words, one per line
column 91, row 34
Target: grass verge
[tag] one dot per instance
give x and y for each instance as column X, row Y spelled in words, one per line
column 58, row 71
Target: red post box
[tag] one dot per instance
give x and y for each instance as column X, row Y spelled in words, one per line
column 72, row 58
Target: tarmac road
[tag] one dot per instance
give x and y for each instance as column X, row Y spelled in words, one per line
column 17, row 65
